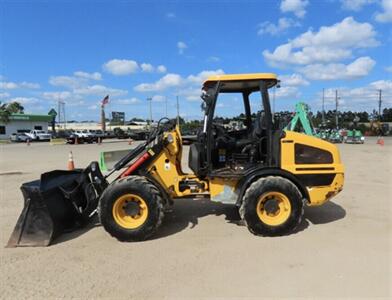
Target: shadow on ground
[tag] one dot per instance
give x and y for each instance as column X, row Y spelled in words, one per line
column 185, row 213
column 67, row 236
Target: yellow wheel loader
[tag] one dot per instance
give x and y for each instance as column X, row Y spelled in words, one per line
column 268, row 173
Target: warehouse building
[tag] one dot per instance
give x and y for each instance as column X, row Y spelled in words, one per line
column 23, row 123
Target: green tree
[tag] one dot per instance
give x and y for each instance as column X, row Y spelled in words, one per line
column 4, row 113
column 15, row 108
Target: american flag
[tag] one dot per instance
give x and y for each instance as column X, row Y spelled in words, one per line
column 105, row 100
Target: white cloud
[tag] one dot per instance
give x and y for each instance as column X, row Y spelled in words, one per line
column 355, row 5
column 167, row 81
column 161, row 69
column 386, row 15
column 276, row 29
column 388, row 69
column 190, row 94
column 170, row 15
column 92, row 76
column 148, row 68
column 29, row 85
column 285, row 92
column 25, row 100
column 329, row 44
column 295, row 6
column 127, row 101
column 293, row 80
column 214, row 59
column 93, row 107
column 203, row 75
column 121, row 66
column 357, row 69
column 4, row 95
column 175, row 80
column 181, row 47
column 99, row 90
column 365, row 96
column 8, row 85
column 21, row 85
column 67, row 81
column 56, row 96
column 158, row 98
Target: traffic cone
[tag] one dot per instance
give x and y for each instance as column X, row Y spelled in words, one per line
column 71, row 164
column 28, row 142
column 99, row 141
column 380, row 141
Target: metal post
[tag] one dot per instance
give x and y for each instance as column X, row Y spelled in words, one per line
column 273, row 102
column 336, row 108
column 103, row 119
column 178, row 112
column 150, row 99
column 323, row 109
column 166, row 106
column 379, row 104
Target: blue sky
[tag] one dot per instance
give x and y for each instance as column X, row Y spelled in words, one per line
column 79, row 51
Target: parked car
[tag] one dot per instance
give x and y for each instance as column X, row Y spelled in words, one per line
column 19, row 137
column 38, row 135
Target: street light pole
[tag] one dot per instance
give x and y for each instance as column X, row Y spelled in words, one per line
column 323, row 109
column 178, row 112
column 379, row 104
column 150, row 99
column 336, row 109
column 166, row 106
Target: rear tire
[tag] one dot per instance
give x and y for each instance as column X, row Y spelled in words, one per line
column 123, row 222
column 272, row 206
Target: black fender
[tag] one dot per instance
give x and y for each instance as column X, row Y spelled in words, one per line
column 255, row 174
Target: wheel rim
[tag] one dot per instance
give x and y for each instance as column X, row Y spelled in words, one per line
column 273, row 208
column 130, row 211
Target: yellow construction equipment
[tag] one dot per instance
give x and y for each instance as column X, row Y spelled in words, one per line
column 267, row 172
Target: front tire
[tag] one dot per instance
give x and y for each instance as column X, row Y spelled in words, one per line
column 131, row 209
column 272, row 206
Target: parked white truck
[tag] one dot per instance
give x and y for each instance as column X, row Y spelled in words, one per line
column 38, row 135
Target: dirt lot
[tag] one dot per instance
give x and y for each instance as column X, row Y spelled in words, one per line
column 342, row 249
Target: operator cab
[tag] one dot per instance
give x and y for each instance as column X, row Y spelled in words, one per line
column 229, row 149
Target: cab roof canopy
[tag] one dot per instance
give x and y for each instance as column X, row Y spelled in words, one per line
column 237, row 83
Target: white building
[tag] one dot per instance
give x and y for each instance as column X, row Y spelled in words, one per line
column 24, row 122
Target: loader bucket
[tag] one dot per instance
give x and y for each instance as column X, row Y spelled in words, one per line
column 59, row 202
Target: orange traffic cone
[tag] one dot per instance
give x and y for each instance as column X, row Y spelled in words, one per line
column 71, row 164
column 380, row 141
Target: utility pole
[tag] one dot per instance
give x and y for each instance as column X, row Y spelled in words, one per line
column 166, row 106
column 379, row 104
column 178, row 112
column 273, row 102
column 150, row 99
column 323, row 109
column 336, row 109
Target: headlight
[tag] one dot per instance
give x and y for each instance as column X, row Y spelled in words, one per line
column 170, row 138
column 362, row 138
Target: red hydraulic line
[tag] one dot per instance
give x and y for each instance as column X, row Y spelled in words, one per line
column 135, row 165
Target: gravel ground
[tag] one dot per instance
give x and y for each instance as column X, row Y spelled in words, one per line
column 342, row 249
